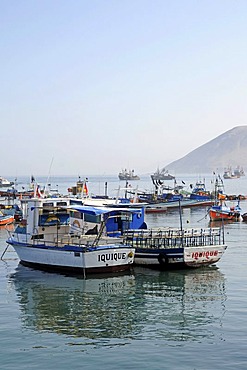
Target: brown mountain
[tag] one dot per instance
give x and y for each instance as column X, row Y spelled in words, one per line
column 228, row 149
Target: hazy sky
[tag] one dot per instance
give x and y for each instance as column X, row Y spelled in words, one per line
column 90, row 87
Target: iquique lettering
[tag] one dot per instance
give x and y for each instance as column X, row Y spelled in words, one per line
column 106, row 257
column 206, row 254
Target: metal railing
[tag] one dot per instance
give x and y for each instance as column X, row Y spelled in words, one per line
column 172, row 238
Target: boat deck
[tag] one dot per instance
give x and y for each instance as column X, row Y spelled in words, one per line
column 170, row 238
column 62, row 240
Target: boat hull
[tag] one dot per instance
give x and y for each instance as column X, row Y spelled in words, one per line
column 174, row 258
column 159, row 258
column 223, row 216
column 128, row 178
column 76, row 259
column 184, row 203
column 162, row 177
column 6, row 220
column 244, row 217
column 200, row 197
column 6, row 184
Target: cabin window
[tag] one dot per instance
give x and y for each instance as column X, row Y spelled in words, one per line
column 77, row 254
column 92, row 218
column 47, row 207
column 123, row 217
column 87, row 218
column 51, row 219
column 61, row 204
column 38, row 236
column 76, row 214
column 50, row 204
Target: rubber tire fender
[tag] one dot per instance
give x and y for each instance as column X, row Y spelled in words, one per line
column 163, row 259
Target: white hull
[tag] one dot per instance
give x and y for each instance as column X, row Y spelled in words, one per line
column 187, row 256
column 109, row 258
column 206, row 255
column 173, row 248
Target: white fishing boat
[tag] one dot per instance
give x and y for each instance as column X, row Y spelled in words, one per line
column 4, row 183
column 168, row 248
column 58, row 236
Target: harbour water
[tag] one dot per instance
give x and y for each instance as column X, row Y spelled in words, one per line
column 146, row 319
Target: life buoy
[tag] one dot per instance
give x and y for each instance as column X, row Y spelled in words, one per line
column 76, row 223
column 51, row 220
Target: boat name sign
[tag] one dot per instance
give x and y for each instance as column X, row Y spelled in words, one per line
column 207, row 254
column 104, row 257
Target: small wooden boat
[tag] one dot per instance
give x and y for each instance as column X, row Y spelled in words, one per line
column 244, row 216
column 4, row 183
column 199, row 192
column 6, row 219
column 222, row 212
column 172, row 248
column 11, row 210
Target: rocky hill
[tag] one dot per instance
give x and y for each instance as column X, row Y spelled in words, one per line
column 228, row 149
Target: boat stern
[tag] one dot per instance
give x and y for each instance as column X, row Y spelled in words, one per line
column 203, row 255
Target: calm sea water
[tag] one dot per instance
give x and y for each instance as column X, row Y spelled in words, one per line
column 190, row 319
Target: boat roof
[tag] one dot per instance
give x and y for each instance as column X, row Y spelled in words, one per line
column 100, row 210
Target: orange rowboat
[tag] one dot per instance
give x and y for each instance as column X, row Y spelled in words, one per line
column 5, row 220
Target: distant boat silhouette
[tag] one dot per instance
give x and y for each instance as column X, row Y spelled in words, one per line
column 128, row 175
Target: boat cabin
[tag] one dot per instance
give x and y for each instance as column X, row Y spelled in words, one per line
column 116, row 220
column 51, row 218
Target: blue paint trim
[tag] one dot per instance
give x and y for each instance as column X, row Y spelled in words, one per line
column 168, row 251
column 71, row 248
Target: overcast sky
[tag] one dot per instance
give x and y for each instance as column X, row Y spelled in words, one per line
column 91, row 87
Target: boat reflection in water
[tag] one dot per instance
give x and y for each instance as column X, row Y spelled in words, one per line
column 168, row 306
column 189, row 304
column 73, row 305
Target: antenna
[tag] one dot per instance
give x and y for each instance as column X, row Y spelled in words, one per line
column 49, row 172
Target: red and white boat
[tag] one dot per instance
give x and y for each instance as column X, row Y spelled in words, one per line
column 6, row 220
column 222, row 212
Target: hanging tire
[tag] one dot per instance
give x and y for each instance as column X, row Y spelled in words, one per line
column 163, row 259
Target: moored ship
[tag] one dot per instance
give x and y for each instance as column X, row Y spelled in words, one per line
column 162, row 175
column 169, row 248
column 128, row 175
column 57, row 235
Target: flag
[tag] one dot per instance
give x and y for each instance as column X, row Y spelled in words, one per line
column 37, row 192
column 85, row 189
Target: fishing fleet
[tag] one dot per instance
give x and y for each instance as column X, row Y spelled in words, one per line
column 86, row 234
column 83, row 234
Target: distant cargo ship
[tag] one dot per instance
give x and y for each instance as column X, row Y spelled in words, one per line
column 162, row 175
column 239, row 171
column 229, row 174
column 128, row 175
